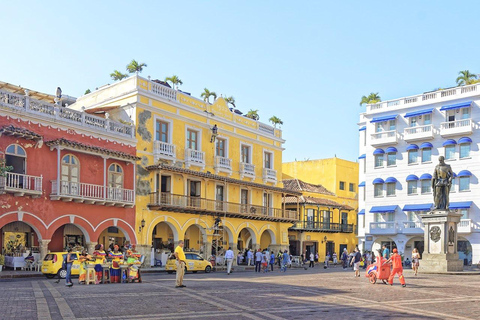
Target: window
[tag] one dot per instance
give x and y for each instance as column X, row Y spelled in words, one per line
column 427, row 119
column 412, row 187
column 16, row 157
column 70, row 168
column 351, row 187
column 411, row 216
column 378, row 160
column 342, row 185
column 390, row 189
column 412, row 156
column 390, row 216
column 426, row 155
column 378, row 127
column 464, row 184
column 452, row 188
column 413, row 122
column 378, row 217
column 378, row 190
column 220, row 149
column 245, row 153
column 115, row 176
column 163, row 183
column 192, row 139
column 268, row 203
column 391, row 124
column 194, row 192
column 464, row 213
column 426, row 186
column 309, row 218
column 244, row 200
column 161, row 131
column 466, row 113
column 268, row 160
column 449, row 152
column 464, row 150
column 327, row 217
column 219, row 197
column 391, row 159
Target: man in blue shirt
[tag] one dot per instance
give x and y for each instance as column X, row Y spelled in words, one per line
column 386, row 252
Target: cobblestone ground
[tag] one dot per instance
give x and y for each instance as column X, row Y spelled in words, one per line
column 297, row 294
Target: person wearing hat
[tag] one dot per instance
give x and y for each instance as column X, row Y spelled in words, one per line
column 396, row 261
column 117, row 257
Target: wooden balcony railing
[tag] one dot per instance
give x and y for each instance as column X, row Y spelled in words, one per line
column 324, row 226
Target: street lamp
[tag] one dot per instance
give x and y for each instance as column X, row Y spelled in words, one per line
column 142, row 225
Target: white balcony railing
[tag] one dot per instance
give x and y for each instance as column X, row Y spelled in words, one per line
column 24, row 103
column 456, row 127
column 163, row 150
column 465, row 226
column 385, row 137
column 383, row 228
column 21, row 184
column 194, row 157
column 163, row 91
column 418, row 133
column 269, row 175
column 412, row 227
column 91, row 193
column 247, row 169
column 223, row 164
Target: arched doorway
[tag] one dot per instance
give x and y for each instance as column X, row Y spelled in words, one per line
column 266, row 239
column 195, row 239
column 246, row 239
column 464, row 249
column 415, row 242
column 112, row 236
column 379, row 242
column 18, row 238
column 68, row 234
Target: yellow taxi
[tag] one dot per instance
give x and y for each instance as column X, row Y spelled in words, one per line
column 53, row 261
column 194, row 263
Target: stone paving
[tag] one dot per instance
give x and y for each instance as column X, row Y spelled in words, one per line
column 296, row 294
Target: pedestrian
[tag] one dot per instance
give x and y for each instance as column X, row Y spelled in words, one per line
column 272, row 260
column 304, row 257
column 335, row 261
column 181, row 260
column 385, row 252
column 312, row 263
column 357, row 257
column 285, row 261
column 316, row 257
column 265, row 259
column 258, row 261
column 250, row 257
column 396, row 261
column 415, row 260
column 229, row 258
column 279, row 258
column 369, row 257
column 68, row 262
column 344, row 258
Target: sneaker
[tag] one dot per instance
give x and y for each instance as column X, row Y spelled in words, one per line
column 404, row 285
column 183, row 286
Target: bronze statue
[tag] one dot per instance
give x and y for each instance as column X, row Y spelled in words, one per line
column 441, row 184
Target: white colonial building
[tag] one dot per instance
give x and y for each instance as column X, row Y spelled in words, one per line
column 400, row 142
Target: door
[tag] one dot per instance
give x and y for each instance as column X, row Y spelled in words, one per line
column 329, row 248
column 219, row 197
column 342, row 247
column 194, row 193
column 344, row 221
column 244, row 200
column 15, row 157
column 70, row 175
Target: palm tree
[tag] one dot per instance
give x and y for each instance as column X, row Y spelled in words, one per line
column 117, row 75
column 87, row 91
column 231, row 100
column 465, row 78
column 253, row 114
column 134, row 66
column 275, row 120
column 372, row 98
column 175, row 80
column 206, row 94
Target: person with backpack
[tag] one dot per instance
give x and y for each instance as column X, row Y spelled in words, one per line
column 68, row 262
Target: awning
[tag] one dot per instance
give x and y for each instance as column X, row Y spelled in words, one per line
column 378, row 181
column 454, row 175
column 391, row 149
column 385, row 118
column 426, row 176
column 460, row 205
column 426, row 145
column 363, row 156
column 456, row 106
column 363, row 128
column 464, row 173
column 390, row 180
column 412, row 177
column 361, row 212
column 449, row 142
column 379, row 209
column 418, row 113
column 362, row 184
column 465, row 140
column 412, row 147
column 417, row 207
column 378, row 151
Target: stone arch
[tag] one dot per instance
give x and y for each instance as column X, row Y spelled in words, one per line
column 253, row 236
column 81, row 223
column 271, row 230
column 125, row 227
column 30, row 219
column 271, row 234
column 171, row 222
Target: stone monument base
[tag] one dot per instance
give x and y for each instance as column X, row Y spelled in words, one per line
column 440, row 263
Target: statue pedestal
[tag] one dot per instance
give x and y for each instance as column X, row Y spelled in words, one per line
column 440, row 254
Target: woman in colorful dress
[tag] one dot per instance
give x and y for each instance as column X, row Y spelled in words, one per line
column 99, row 256
column 84, row 257
column 117, row 257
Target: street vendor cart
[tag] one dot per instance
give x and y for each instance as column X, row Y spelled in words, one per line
column 378, row 271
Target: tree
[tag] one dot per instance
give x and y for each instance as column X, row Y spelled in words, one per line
column 465, row 78
column 372, row 98
column 87, row 91
column 231, row 100
column 206, row 94
column 174, row 80
column 134, row 66
column 3, row 168
column 117, row 75
column 253, row 114
column 275, row 120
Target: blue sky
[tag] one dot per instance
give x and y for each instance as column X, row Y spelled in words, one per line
column 307, row 62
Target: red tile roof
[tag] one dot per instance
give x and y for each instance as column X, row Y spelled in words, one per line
column 317, row 201
column 299, row 185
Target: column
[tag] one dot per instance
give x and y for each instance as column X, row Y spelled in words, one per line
column 208, row 250
column 91, row 247
column 146, row 251
column 43, row 248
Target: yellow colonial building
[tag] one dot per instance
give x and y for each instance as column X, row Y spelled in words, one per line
column 327, row 219
column 207, row 175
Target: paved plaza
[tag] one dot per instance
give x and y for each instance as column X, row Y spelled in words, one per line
column 297, row 294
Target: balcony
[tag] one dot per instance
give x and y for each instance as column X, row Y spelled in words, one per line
column 412, row 227
column 323, row 227
column 196, row 205
column 383, row 228
column 465, row 226
column 247, row 170
column 383, row 138
column 223, row 164
column 163, row 150
column 456, row 127
column 21, row 184
column 194, row 158
column 418, row 133
column 269, row 175
column 92, row 194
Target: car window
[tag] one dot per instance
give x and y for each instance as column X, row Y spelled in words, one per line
column 189, row 256
column 49, row 257
column 197, row 257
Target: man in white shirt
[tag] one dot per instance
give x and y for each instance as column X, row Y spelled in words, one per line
column 229, row 257
column 258, row 261
column 250, row 257
column 312, row 257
